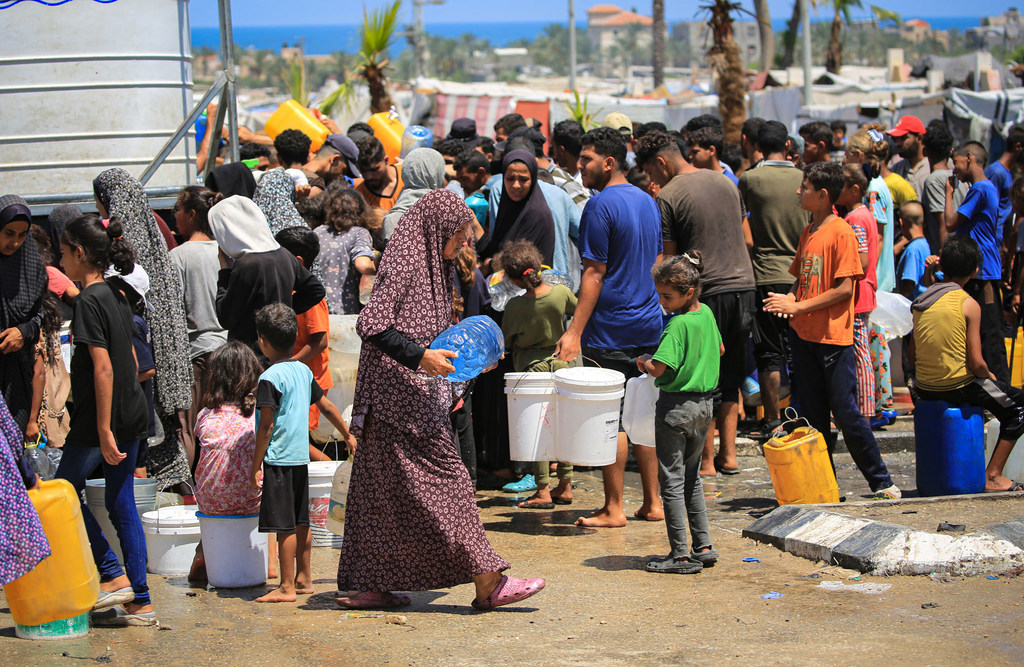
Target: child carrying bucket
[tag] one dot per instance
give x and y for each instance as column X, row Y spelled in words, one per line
column 532, row 325
column 225, row 430
column 685, row 366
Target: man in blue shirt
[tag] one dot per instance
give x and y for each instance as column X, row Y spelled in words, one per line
column 618, row 317
column 978, row 216
column 999, row 172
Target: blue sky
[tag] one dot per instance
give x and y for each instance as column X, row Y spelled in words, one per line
column 335, row 12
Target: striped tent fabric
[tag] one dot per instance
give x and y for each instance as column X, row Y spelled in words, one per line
column 485, row 110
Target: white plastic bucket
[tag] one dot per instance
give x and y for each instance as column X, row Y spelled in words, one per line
column 1014, row 467
column 587, row 415
column 344, row 345
column 531, row 416
column 66, row 628
column 321, row 480
column 235, row 551
column 145, row 501
column 172, row 534
column 339, row 499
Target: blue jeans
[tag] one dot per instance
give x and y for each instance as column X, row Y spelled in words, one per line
column 680, row 426
column 75, row 464
column 826, row 382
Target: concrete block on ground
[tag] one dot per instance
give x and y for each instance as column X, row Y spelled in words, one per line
column 815, row 539
column 773, row 527
column 860, row 550
column 1011, row 531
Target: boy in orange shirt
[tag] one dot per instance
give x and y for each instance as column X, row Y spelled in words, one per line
column 820, row 307
column 314, row 325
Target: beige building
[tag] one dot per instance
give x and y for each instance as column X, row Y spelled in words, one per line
column 607, row 27
column 696, row 35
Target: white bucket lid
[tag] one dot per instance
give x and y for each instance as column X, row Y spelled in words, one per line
column 323, row 468
column 589, row 379
column 171, row 520
column 514, row 382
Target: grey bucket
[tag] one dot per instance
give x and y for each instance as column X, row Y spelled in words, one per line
column 145, row 501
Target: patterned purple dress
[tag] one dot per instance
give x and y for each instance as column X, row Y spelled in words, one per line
column 22, row 540
column 411, row 521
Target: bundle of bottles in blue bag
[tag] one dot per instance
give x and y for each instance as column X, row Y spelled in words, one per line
column 479, row 343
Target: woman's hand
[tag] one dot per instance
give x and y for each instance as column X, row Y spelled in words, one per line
column 11, row 340
column 108, row 446
column 435, row 362
column 256, row 479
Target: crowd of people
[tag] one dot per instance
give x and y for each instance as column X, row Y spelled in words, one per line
column 200, row 349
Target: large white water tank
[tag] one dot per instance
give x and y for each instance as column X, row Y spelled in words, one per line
column 89, row 85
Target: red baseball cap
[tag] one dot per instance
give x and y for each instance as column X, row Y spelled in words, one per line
column 907, row 124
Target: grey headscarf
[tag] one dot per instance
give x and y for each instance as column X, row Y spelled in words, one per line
column 59, row 218
column 122, row 196
column 422, row 171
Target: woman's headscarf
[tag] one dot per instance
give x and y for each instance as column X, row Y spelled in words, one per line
column 239, row 227
column 233, row 178
column 122, row 196
column 23, row 543
column 23, row 283
column 59, row 218
column 413, row 295
column 275, row 195
column 422, row 171
column 529, row 218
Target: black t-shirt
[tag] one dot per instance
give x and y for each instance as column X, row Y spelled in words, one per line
column 104, row 319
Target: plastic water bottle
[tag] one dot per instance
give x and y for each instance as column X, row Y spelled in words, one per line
column 416, row 136
column 478, row 204
column 553, row 277
column 40, row 460
column 502, row 291
column 479, row 343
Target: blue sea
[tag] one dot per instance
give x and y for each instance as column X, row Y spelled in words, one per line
column 321, row 39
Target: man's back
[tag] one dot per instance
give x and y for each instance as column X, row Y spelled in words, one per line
column 621, row 229
column 776, row 219
column 701, row 210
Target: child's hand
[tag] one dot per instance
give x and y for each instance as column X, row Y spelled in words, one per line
column 351, row 443
column 256, row 479
column 641, row 362
column 783, row 305
column 931, row 262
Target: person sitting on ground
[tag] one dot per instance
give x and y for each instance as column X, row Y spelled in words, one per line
column 382, row 182
column 948, row 360
column 226, row 432
column 686, row 371
column 532, row 325
column 283, row 396
column 820, row 307
column 705, row 148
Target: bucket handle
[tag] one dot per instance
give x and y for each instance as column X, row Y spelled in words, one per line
column 529, row 369
column 793, row 417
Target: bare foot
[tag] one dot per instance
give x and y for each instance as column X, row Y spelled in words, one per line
column 272, row 572
column 999, row 483
column 198, row 570
column 708, row 471
column 650, row 514
column 602, row 518
column 303, row 587
column 277, row 595
column 373, row 600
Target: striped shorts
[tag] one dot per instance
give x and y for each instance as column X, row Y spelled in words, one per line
column 864, row 371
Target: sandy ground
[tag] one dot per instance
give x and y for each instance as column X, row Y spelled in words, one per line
column 600, row 606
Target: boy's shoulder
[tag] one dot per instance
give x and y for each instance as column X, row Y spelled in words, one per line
column 285, row 370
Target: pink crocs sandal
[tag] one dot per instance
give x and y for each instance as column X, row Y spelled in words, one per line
column 510, row 590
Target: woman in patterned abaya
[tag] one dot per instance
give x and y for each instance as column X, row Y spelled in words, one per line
column 412, row 521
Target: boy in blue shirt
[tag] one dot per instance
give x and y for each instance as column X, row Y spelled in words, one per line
column 283, row 396
column 978, row 217
column 911, row 269
column 1000, row 172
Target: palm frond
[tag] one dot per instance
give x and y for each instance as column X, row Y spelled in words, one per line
column 378, row 32
column 883, row 15
column 341, row 97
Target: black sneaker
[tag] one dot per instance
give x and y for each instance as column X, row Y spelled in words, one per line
column 670, row 565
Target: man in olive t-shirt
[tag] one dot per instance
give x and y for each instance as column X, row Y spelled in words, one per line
column 775, row 220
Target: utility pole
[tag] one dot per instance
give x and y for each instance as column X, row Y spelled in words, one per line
column 806, row 28
column 418, row 38
column 572, row 46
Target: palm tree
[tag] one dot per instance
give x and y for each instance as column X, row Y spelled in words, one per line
column 658, row 41
column 767, row 34
column 376, row 36
column 724, row 58
column 834, row 52
column 792, row 28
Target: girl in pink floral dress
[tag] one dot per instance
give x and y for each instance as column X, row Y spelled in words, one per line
column 226, row 433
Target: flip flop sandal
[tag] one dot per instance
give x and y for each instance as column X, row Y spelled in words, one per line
column 118, row 616
column 374, row 601
column 510, row 590
column 724, row 470
column 527, row 505
column 1014, row 486
column 561, row 501
column 670, row 565
column 108, row 599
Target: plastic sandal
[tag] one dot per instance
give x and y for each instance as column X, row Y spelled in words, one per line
column 527, row 483
column 670, row 565
column 108, row 599
column 119, row 616
column 510, row 590
column 705, row 558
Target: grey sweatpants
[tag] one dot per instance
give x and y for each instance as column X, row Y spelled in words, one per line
column 681, row 423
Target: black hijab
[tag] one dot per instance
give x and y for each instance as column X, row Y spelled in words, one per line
column 233, row 178
column 23, row 284
column 528, row 219
column 59, row 218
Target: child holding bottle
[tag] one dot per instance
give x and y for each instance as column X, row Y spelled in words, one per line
column 532, row 325
column 685, row 368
